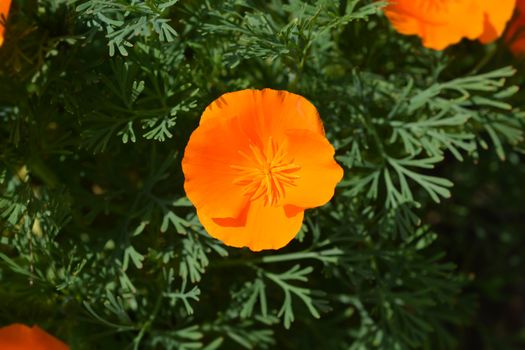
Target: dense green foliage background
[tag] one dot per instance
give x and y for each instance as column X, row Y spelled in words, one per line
column 421, row 248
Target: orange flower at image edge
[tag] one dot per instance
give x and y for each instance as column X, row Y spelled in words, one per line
column 21, row 337
column 440, row 23
column 515, row 36
column 258, row 159
column 4, row 10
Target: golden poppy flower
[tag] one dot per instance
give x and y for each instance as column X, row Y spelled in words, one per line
column 257, row 160
column 21, row 337
column 4, row 10
column 515, row 36
column 440, row 23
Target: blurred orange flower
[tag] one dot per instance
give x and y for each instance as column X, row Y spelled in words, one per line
column 21, row 337
column 258, row 159
column 4, row 10
column 515, row 35
column 440, row 23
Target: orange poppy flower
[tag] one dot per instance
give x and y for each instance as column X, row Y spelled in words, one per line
column 258, row 159
column 4, row 10
column 441, row 23
column 21, row 337
column 515, row 35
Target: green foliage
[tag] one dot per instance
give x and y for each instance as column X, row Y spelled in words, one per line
column 98, row 243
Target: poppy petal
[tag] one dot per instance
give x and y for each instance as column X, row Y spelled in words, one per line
column 497, row 14
column 319, row 172
column 22, row 337
column 439, row 24
column 289, row 111
column 269, row 111
column 50, row 342
column 207, row 166
column 266, row 227
column 515, row 36
column 4, row 10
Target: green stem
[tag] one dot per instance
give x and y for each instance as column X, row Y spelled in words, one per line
column 148, row 323
column 43, row 172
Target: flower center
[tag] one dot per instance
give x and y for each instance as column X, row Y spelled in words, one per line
column 268, row 172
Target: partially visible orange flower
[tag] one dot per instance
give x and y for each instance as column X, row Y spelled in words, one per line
column 440, row 23
column 258, row 159
column 515, row 35
column 4, row 10
column 21, row 337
